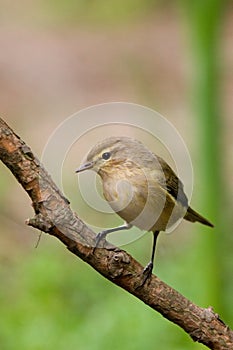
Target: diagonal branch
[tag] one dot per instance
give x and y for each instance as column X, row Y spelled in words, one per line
column 54, row 216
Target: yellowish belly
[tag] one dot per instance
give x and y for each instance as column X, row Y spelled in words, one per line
column 147, row 207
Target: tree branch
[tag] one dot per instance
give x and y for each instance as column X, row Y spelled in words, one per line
column 54, row 216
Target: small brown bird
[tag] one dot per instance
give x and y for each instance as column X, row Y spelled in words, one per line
column 140, row 187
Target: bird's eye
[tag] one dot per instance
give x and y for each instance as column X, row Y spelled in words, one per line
column 106, row 155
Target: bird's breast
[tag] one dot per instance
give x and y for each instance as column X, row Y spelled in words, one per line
column 139, row 200
column 129, row 193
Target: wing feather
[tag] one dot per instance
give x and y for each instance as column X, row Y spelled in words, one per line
column 172, row 183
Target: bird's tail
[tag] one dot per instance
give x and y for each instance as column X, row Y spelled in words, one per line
column 192, row 215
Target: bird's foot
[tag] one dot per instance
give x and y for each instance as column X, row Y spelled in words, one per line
column 146, row 274
column 101, row 235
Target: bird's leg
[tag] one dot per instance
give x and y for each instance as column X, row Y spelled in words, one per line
column 101, row 235
column 149, row 267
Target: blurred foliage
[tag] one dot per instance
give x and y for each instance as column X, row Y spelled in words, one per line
column 52, row 300
column 97, row 11
column 205, row 21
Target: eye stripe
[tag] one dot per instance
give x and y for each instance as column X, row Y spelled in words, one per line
column 106, row 155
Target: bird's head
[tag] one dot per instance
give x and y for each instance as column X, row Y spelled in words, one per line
column 105, row 156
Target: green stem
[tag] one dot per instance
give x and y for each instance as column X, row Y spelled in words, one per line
column 205, row 23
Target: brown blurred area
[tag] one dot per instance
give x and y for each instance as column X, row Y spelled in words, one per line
column 49, row 71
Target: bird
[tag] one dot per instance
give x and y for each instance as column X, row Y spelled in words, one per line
column 140, row 187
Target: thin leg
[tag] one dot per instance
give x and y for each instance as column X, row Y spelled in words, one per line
column 149, row 267
column 101, row 235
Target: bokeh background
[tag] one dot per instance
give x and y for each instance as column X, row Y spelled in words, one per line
column 58, row 57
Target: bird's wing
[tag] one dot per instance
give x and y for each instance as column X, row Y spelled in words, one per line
column 172, row 183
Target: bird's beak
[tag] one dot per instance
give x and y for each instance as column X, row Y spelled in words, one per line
column 84, row 166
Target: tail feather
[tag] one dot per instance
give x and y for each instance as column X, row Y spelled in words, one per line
column 193, row 216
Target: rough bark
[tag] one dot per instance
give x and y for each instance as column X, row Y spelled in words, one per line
column 54, row 216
